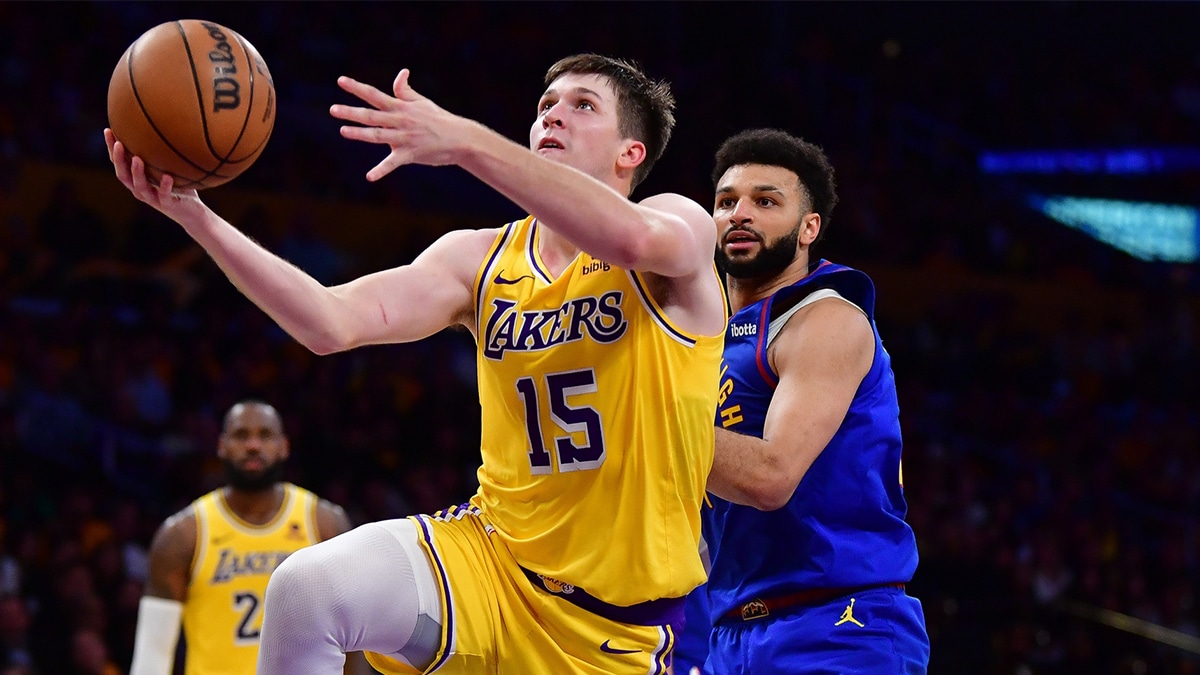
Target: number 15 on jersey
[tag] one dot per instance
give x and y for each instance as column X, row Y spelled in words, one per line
column 577, row 422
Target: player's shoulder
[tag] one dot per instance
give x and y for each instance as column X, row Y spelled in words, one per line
column 332, row 519
column 461, row 251
column 669, row 200
column 681, row 205
column 468, row 240
column 329, row 507
column 823, row 328
column 182, row 519
column 178, row 530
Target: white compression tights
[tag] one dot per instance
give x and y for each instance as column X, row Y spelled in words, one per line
column 371, row 588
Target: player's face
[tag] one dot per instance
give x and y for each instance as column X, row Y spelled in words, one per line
column 761, row 216
column 577, row 124
column 253, row 447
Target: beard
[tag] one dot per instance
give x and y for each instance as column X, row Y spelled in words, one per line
column 253, row 481
column 771, row 259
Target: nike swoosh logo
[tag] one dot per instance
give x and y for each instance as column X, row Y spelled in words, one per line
column 508, row 282
column 613, row 650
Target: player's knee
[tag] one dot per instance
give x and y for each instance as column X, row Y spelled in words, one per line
column 303, row 582
column 301, row 613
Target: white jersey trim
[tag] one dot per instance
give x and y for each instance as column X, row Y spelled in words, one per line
column 777, row 324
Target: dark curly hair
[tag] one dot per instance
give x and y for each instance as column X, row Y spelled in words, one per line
column 646, row 108
column 773, row 147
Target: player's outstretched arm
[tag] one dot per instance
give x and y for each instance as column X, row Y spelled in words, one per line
column 398, row 305
column 821, row 357
column 667, row 234
column 160, row 612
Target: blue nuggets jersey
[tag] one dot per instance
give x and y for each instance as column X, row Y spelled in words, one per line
column 844, row 526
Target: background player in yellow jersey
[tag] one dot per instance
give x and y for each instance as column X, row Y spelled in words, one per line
column 209, row 563
column 598, row 322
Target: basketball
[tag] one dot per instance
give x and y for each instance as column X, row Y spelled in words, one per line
column 193, row 99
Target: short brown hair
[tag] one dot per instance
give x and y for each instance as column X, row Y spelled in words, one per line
column 645, row 108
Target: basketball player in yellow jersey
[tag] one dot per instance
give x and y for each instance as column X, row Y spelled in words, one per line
column 599, row 323
column 209, row 563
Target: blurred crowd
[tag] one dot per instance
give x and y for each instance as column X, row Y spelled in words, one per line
column 1047, row 382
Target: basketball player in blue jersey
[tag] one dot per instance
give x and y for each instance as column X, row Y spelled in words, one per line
column 598, row 323
column 809, row 547
column 210, row 562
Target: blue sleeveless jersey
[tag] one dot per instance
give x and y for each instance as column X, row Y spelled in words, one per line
column 844, row 526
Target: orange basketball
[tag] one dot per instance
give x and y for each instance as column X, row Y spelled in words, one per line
column 193, row 99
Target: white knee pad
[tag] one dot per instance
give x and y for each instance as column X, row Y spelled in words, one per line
column 371, row 588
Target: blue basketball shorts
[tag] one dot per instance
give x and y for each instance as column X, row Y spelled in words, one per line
column 875, row 632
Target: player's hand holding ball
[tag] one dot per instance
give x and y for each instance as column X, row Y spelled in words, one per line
column 192, row 100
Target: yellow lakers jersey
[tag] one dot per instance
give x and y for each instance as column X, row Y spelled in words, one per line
column 222, row 614
column 597, row 423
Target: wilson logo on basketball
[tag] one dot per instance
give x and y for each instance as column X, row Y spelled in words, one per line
column 227, row 93
column 193, row 99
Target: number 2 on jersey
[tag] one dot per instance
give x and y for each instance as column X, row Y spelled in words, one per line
column 573, row 420
column 246, row 603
